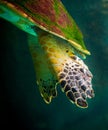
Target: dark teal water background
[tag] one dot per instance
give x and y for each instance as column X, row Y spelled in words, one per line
column 21, row 104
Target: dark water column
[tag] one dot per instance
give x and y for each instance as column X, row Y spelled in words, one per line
column 21, row 104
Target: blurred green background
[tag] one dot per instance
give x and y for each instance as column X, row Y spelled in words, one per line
column 21, row 104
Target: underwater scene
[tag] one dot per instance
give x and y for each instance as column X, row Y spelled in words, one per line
column 22, row 105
